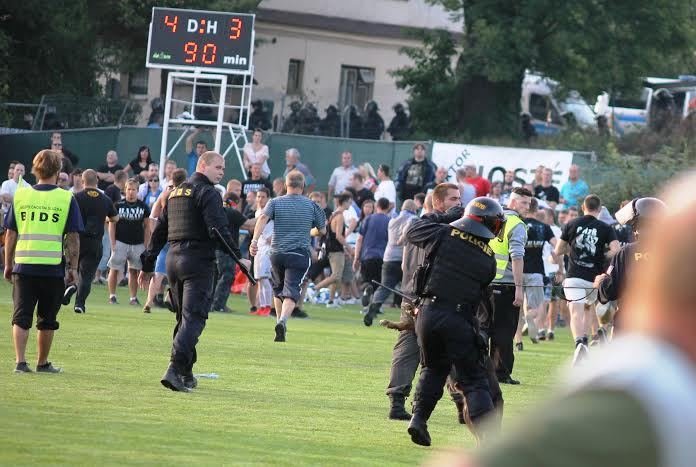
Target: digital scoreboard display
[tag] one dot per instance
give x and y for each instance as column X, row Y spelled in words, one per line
column 210, row 40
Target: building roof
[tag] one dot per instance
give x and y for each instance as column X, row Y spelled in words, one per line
column 335, row 24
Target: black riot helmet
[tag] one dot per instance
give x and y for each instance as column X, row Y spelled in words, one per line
column 482, row 217
column 639, row 211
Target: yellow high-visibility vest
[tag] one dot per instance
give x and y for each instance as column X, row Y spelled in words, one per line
column 41, row 217
column 501, row 247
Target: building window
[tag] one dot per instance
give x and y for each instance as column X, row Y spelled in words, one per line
column 295, row 72
column 357, row 86
column 137, row 83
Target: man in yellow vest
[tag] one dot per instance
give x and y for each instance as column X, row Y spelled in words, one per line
column 37, row 221
column 507, row 298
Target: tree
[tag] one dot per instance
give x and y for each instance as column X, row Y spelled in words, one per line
column 49, row 49
column 587, row 45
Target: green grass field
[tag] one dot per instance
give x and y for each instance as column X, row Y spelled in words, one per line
column 317, row 399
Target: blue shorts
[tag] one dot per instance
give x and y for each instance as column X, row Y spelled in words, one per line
column 161, row 264
column 288, row 270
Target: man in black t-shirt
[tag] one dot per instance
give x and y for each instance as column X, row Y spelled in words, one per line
column 546, row 191
column 538, row 234
column 128, row 240
column 226, row 266
column 415, row 174
column 115, row 191
column 358, row 190
column 106, row 172
column 255, row 182
column 585, row 240
column 94, row 207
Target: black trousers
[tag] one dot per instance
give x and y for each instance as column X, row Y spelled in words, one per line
column 502, row 330
column 448, row 344
column 371, row 269
column 317, row 268
column 190, row 276
column 90, row 255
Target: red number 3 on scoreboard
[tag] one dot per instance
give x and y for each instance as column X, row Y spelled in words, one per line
column 235, row 28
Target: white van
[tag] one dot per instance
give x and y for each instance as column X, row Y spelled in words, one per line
column 549, row 115
column 627, row 113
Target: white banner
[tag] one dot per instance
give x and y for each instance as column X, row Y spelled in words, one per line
column 492, row 161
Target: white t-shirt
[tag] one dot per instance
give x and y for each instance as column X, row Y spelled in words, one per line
column 549, row 266
column 256, row 156
column 386, row 189
column 341, row 178
column 350, row 215
column 9, row 187
column 266, row 237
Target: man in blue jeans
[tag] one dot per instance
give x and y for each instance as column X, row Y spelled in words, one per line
column 370, row 246
column 294, row 216
column 393, row 255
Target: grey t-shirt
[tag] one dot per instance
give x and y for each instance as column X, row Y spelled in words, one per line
column 395, row 245
column 293, row 216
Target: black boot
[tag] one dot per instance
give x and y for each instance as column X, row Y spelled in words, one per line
column 173, row 380
column 398, row 409
column 190, row 381
column 371, row 313
column 418, row 430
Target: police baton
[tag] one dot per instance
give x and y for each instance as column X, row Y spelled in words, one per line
column 228, row 250
column 408, row 298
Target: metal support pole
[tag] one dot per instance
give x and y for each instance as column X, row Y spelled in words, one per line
column 165, row 126
column 221, row 114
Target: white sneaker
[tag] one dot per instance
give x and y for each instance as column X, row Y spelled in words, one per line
column 333, row 305
column 581, row 352
column 349, row 301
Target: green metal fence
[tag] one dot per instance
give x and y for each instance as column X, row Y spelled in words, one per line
column 321, row 154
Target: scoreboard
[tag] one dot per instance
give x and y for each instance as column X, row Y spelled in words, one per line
column 206, row 40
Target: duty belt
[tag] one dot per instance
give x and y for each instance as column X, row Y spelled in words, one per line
column 456, row 307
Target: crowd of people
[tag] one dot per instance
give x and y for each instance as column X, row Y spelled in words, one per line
column 364, row 241
column 480, row 265
column 357, row 123
column 361, row 256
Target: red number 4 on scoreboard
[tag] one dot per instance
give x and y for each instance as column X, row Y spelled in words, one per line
column 171, row 23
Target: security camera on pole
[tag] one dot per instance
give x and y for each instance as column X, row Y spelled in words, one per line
column 207, row 50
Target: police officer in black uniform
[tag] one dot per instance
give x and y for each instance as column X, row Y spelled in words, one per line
column 459, row 266
column 192, row 211
column 636, row 214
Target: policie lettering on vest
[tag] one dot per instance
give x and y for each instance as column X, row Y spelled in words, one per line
column 471, row 239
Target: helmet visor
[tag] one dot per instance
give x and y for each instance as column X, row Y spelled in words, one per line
column 498, row 226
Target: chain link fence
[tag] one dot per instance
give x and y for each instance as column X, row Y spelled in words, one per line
column 65, row 112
